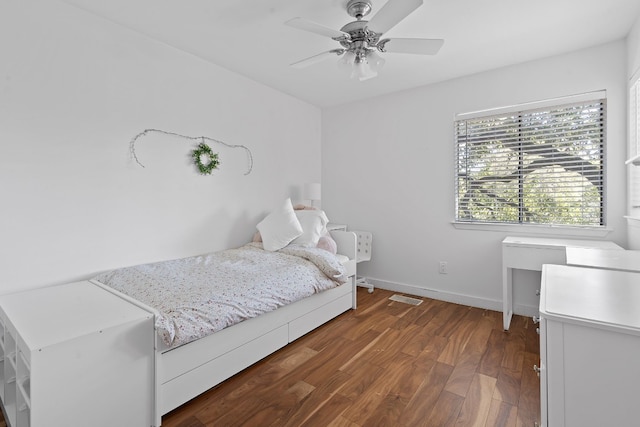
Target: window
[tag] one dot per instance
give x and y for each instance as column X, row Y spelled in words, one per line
column 634, row 143
column 634, row 115
column 543, row 164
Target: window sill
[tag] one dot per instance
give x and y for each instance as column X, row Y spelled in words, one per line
column 548, row 230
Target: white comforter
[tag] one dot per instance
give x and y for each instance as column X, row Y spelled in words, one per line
column 200, row 295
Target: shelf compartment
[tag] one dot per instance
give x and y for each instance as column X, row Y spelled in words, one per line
column 10, row 403
column 23, row 373
column 23, row 416
column 2, row 332
column 2, row 379
column 24, row 386
column 10, row 369
column 11, row 357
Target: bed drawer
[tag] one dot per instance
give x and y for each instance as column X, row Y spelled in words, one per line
column 181, row 389
column 319, row 316
column 186, row 371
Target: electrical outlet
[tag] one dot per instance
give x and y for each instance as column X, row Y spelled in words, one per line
column 442, row 267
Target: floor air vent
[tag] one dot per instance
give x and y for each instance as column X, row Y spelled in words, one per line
column 406, row 300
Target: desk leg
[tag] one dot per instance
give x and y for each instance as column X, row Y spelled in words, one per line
column 507, row 296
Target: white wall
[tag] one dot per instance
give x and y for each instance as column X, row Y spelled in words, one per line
column 388, row 167
column 74, row 91
column 633, row 49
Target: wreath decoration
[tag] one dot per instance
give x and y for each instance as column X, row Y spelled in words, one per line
column 205, row 159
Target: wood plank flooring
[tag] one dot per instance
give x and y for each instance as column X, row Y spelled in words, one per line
column 386, row 364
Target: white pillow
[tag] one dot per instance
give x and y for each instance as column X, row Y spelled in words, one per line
column 280, row 227
column 314, row 225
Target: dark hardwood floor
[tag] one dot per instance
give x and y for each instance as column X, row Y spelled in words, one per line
column 386, row 364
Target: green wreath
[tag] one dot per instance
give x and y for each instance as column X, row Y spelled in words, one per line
column 211, row 161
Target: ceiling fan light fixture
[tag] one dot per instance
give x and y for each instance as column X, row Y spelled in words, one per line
column 375, row 61
column 347, row 61
column 361, row 68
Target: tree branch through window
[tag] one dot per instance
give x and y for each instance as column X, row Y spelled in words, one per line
column 543, row 166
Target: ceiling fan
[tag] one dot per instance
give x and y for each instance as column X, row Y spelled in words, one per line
column 361, row 40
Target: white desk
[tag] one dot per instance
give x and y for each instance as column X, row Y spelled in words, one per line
column 608, row 259
column 531, row 253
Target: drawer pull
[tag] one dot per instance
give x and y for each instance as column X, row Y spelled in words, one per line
column 536, row 319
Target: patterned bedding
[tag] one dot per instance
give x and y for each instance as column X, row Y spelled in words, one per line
column 199, row 295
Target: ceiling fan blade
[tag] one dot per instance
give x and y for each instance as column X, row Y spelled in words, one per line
column 416, row 46
column 314, row 27
column 317, row 58
column 391, row 14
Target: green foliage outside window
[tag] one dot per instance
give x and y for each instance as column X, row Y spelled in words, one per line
column 533, row 167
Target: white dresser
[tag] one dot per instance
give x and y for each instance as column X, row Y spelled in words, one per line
column 75, row 355
column 608, row 259
column 589, row 347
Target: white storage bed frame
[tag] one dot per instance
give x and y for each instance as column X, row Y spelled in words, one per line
column 187, row 371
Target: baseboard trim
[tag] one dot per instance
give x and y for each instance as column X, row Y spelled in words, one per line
column 455, row 298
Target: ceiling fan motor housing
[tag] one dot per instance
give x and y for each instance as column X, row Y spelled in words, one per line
column 358, row 8
column 361, row 39
column 359, row 32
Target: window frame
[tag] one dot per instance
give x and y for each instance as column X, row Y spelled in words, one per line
column 633, row 182
column 536, row 228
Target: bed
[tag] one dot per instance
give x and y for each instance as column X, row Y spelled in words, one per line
column 189, row 361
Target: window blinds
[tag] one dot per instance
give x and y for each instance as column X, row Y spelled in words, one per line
column 537, row 166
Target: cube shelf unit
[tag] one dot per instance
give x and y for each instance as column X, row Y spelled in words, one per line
column 15, row 374
column 75, row 355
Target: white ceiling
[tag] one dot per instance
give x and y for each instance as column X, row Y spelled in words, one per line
column 249, row 37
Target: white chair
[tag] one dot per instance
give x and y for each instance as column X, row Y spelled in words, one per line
column 364, row 240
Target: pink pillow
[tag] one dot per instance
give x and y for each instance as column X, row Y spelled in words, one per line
column 328, row 244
